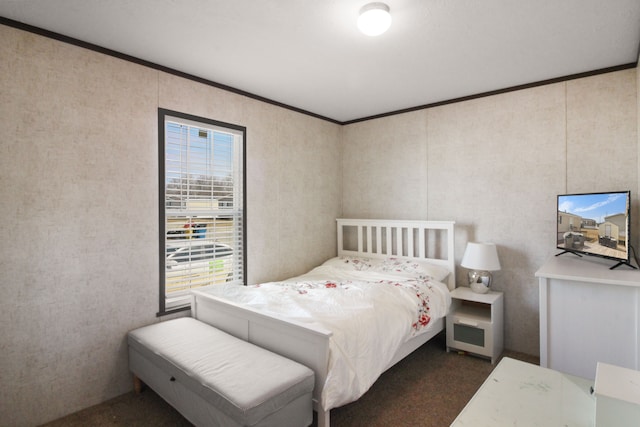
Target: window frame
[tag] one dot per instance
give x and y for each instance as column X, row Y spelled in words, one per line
column 163, row 115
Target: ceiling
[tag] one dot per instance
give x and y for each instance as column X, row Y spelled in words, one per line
column 309, row 55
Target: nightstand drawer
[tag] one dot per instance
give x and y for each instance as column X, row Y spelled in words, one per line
column 470, row 333
column 463, row 333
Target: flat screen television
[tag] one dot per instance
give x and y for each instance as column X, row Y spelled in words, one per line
column 595, row 224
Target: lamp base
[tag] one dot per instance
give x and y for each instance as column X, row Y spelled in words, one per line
column 480, row 281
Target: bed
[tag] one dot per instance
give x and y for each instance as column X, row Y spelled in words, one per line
column 347, row 340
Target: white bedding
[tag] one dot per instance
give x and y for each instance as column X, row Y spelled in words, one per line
column 371, row 306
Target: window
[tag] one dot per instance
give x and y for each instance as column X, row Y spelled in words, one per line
column 202, row 209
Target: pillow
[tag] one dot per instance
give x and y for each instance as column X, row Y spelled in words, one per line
column 414, row 268
column 352, row 263
column 406, row 267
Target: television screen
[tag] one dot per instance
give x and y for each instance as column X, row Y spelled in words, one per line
column 595, row 224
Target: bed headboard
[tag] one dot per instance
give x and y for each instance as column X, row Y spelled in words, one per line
column 431, row 241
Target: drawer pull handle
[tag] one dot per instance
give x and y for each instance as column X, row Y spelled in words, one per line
column 468, row 322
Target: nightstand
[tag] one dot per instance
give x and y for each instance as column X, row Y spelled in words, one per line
column 475, row 323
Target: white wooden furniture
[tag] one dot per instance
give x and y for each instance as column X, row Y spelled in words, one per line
column 588, row 314
column 475, row 322
column 213, row 378
column 521, row 394
column 431, row 241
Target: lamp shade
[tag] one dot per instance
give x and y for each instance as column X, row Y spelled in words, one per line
column 481, row 256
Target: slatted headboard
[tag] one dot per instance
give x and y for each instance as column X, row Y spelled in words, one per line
column 431, row 241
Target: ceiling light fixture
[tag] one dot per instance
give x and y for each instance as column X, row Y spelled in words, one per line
column 374, row 19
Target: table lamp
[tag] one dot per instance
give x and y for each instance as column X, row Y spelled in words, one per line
column 480, row 259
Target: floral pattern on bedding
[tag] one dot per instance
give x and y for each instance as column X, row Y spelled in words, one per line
column 357, row 263
column 423, row 316
column 404, row 266
column 414, row 286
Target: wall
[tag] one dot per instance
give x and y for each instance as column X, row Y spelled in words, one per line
column 78, row 178
column 495, row 166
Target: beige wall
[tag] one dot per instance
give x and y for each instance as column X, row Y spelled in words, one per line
column 78, row 177
column 495, row 166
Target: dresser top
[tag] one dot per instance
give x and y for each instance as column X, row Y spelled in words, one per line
column 588, row 269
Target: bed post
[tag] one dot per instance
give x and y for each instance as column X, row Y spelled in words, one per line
column 323, row 417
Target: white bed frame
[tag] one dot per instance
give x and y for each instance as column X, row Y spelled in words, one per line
column 431, row 241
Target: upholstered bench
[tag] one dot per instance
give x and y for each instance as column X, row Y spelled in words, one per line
column 215, row 379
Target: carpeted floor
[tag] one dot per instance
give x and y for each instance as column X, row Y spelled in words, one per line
column 427, row 389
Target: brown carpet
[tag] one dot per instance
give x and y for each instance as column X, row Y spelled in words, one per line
column 427, row 389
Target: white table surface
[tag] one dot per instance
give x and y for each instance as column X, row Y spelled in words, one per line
column 521, row 394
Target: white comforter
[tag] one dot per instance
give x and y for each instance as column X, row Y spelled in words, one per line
column 370, row 311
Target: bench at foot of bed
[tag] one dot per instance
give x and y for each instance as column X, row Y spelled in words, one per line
column 213, row 378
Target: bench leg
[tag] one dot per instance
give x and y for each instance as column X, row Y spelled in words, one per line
column 138, row 385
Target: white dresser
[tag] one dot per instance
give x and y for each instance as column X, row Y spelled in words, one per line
column 588, row 314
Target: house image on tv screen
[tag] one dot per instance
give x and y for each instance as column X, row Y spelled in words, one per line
column 603, row 235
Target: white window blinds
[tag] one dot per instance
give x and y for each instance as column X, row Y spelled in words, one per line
column 202, row 206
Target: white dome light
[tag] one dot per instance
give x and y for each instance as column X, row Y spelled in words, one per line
column 374, row 19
